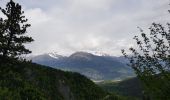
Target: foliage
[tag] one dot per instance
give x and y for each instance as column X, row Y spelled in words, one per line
column 130, row 87
column 151, row 61
column 118, row 97
column 22, row 80
column 12, row 31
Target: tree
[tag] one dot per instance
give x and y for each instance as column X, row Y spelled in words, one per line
column 151, row 61
column 12, row 31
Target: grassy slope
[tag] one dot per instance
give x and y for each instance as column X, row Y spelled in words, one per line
column 23, row 80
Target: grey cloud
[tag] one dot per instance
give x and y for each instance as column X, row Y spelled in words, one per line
column 104, row 25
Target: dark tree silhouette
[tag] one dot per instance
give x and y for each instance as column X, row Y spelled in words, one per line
column 151, row 61
column 12, row 31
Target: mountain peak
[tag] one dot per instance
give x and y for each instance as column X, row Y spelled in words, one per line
column 54, row 55
column 81, row 54
column 98, row 53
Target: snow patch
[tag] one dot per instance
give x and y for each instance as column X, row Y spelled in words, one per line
column 54, row 55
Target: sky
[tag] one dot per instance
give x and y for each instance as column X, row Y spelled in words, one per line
column 67, row 26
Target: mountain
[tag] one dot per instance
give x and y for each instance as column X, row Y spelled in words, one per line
column 95, row 67
column 22, row 80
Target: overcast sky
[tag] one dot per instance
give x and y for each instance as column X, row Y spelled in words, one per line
column 66, row 26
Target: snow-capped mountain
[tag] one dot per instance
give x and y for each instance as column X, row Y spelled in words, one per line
column 55, row 55
column 98, row 53
column 94, row 66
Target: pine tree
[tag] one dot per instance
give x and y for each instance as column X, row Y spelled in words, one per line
column 12, row 31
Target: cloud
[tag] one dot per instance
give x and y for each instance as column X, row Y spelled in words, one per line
column 66, row 26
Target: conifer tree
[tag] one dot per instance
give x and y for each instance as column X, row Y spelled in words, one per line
column 12, row 31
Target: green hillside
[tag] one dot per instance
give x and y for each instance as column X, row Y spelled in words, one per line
column 129, row 87
column 21, row 80
column 27, row 81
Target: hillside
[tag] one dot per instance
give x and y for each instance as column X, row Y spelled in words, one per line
column 93, row 66
column 129, row 87
column 28, row 81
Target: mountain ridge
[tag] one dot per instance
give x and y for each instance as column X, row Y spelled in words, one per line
column 95, row 67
